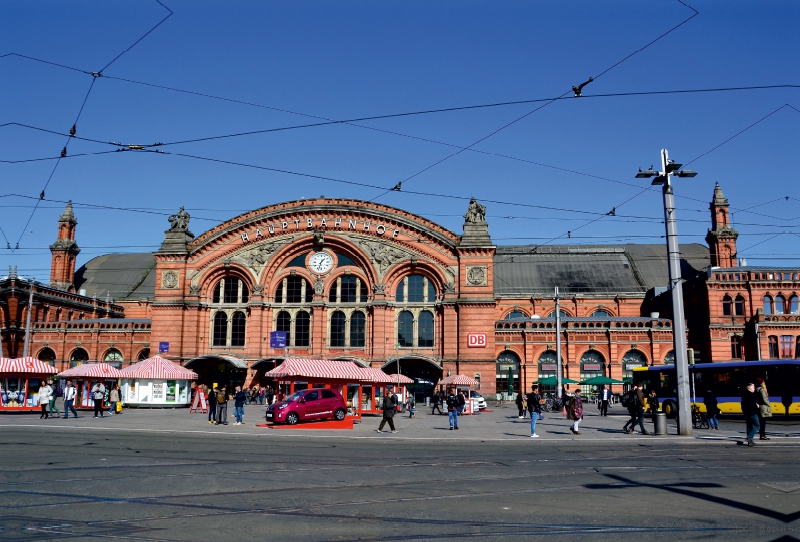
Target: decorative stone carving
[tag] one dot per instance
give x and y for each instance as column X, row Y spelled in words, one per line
column 378, row 289
column 476, row 213
column 194, row 289
column 257, row 289
column 476, row 275
column 169, row 280
column 450, row 288
column 382, row 255
column 258, row 256
column 319, row 286
column 179, row 221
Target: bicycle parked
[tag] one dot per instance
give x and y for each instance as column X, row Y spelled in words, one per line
column 699, row 419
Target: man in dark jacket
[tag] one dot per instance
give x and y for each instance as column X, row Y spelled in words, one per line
column 452, row 410
column 710, row 400
column 436, row 403
column 222, row 406
column 605, row 398
column 750, row 409
column 212, row 406
column 534, row 408
column 389, row 408
column 239, row 400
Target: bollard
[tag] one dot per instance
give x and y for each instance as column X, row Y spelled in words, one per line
column 660, row 423
column 427, row 401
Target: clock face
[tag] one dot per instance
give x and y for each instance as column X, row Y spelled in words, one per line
column 321, row 262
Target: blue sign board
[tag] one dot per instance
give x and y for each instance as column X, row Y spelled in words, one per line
column 163, row 347
column 277, row 339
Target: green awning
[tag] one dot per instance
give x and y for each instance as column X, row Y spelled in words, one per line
column 600, row 381
column 552, row 381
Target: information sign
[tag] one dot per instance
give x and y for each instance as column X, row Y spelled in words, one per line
column 277, row 339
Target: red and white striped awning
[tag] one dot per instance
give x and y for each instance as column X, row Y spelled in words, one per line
column 317, row 368
column 458, row 380
column 26, row 365
column 157, row 367
column 379, row 377
column 92, row 370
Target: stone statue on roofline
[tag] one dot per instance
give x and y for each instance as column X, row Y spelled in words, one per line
column 179, row 221
column 476, row 213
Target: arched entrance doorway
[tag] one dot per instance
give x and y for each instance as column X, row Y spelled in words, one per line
column 219, row 370
column 425, row 373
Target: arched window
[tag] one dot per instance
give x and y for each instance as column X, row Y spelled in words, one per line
column 738, row 306
column 632, row 359
column 507, row 373
column 515, row 315
column 772, row 340
column 405, row 329
column 338, row 329
column 143, row 355
column 794, row 306
column 302, row 329
column 548, row 365
column 79, row 354
column 416, row 289
column 113, row 355
column 562, row 313
column 600, row 313
column 727, row 305
column 47, row 355
column 284, row 323
column 425, row 339
column 348, row 289
column 767, row 304
column 358, row 329
column 592, row 364
column 736, row 347
column 669, row 359
column 230, row 290
column 294, row 289
column 220, row 337
column 779, row 305
column 238, row 328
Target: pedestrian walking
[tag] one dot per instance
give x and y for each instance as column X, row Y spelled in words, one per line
column 535, row 402
column 58, row 391
column 605, row 398
column 712, row 411
column 113, row 399
column 98, row 392
column 636, row 408
column 652, row 402
column 69, row 400
column 239, row 399
column 462, row 402
column 750, row 409
column 222, row 406
column 212, row 406
column 452, row 411
column 575, row 411
column 389, row 410
column 412, row 402
column 764, row 409
column 45, row 392
column 435, row 403
column 520, row 406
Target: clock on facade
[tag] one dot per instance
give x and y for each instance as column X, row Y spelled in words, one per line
column 321, row 262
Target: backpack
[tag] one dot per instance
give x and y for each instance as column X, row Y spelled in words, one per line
column 452, row 402
column 59, row 391
column 632, row 402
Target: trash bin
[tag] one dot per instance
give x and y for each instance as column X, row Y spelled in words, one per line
column 427, row 402
column 660, row 423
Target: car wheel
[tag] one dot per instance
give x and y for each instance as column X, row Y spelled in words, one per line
column 292, row 418
column 339, row 414
column 669, row 408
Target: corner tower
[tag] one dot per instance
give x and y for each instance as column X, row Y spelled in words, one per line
column 721, row 238
column 64, row 250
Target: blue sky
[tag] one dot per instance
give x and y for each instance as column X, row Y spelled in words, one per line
column 350, row 59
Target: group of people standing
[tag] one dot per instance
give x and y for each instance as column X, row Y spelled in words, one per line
column 217, row 399
column 756, row 409
column 100, row 395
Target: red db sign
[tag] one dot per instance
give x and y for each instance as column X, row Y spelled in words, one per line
column 476, row 340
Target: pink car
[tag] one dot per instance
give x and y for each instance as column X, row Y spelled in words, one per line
column 316, row 404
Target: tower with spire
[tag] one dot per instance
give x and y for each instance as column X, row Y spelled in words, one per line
column 721, row 238
column 64, row 251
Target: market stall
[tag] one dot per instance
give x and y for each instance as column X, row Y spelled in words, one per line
column 373, row 386
column 156, row 382
column 20, row 380
column 462, row 383
column 84, row 375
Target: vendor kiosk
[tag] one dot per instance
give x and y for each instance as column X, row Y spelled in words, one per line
column 20, row 380
column 84, row 375
column 465, row 384
column 158, row 383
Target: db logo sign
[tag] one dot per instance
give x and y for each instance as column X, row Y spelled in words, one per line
column 476, row 340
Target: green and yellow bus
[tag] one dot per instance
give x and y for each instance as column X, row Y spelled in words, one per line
column 727, row 380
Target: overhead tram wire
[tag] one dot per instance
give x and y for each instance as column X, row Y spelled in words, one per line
column 576, row 90
column 95, row 76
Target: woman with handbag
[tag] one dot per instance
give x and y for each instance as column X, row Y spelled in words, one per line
column 575, row 411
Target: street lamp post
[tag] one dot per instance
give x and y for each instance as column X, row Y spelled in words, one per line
column 668, row 169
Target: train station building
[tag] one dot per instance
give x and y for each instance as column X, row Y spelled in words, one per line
column 356, row 280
